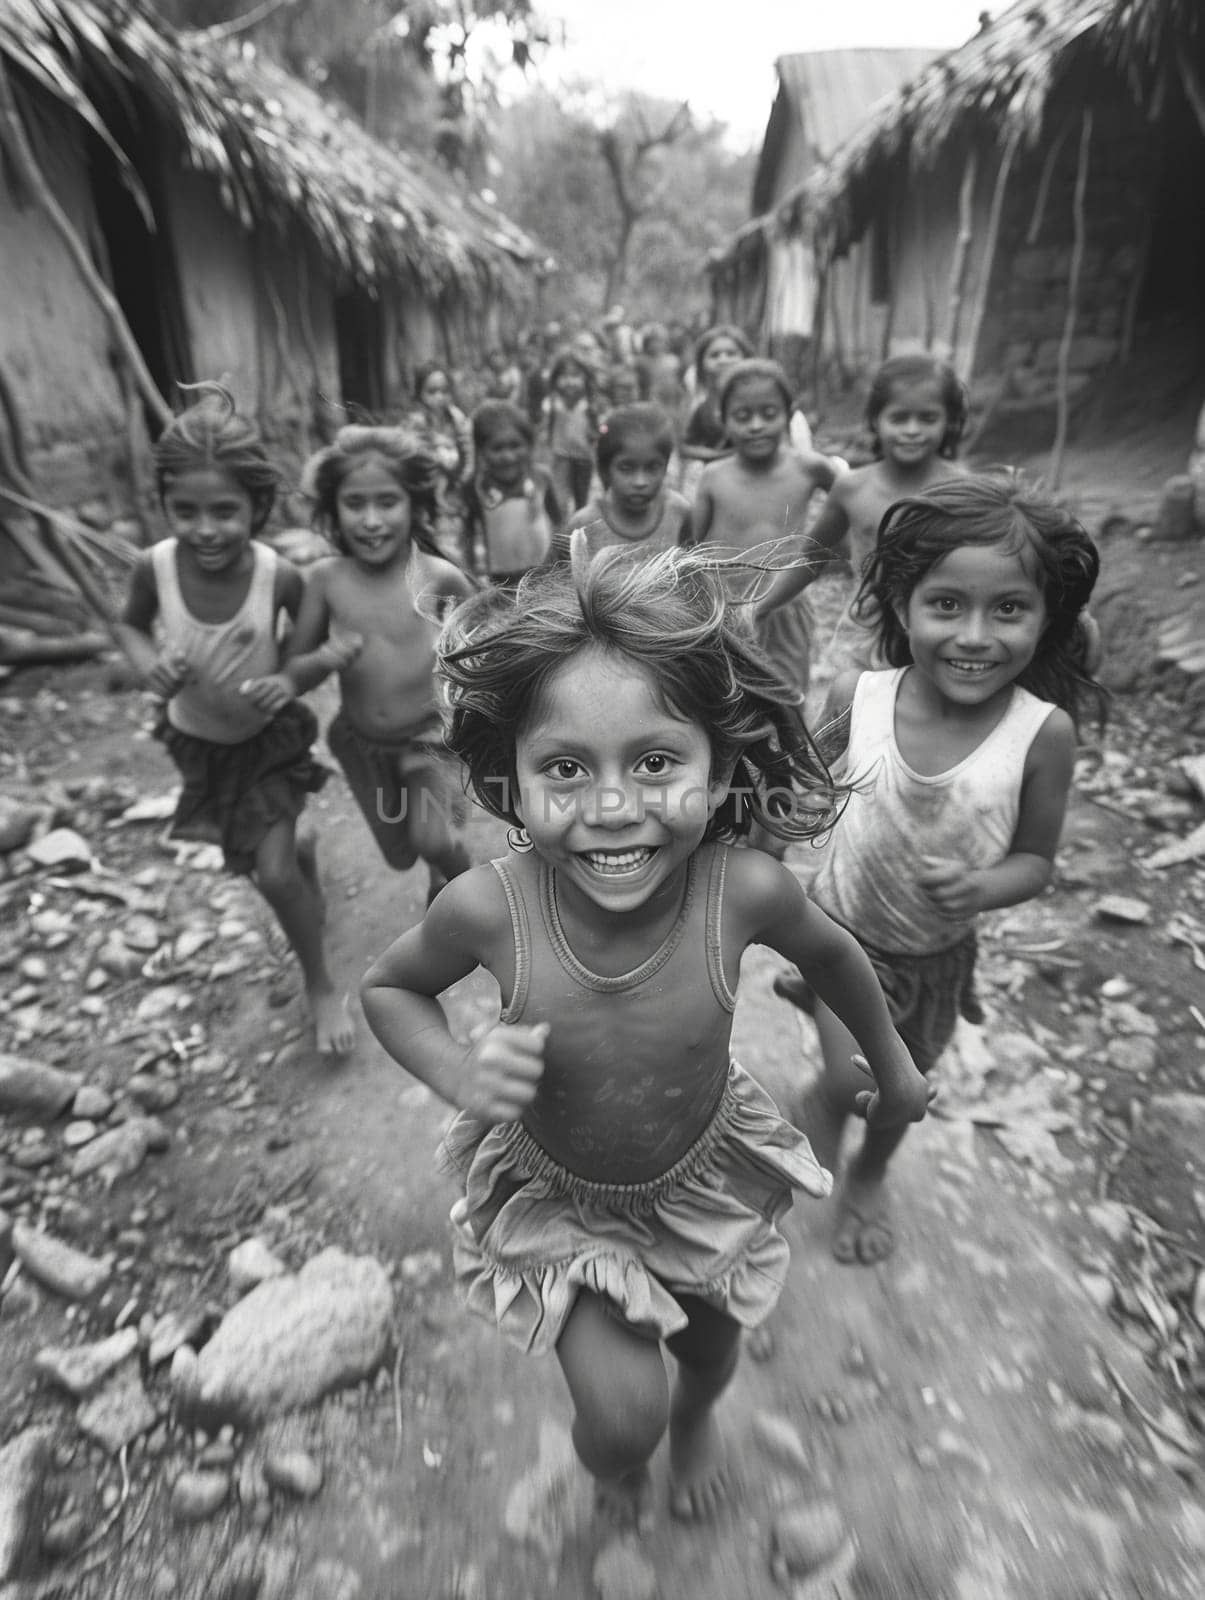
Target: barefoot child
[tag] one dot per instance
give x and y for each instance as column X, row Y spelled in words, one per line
column 375, row 494
column 623, row 1177
column 961, row 756
column 635, row 512
column 511, row 507
column 915, row 413
column 230, row 721
column 759, row 494
column 704, row 438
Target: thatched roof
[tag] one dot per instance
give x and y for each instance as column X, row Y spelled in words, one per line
column 278, row 151
column 998, row 82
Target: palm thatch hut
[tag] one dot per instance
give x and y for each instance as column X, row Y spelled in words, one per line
column 174, row 206
column 1031, row 205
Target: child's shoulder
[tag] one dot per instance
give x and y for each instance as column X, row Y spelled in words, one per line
column 676, row 503
column 754, row 882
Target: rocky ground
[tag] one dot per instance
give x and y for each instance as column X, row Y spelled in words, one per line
column 234, row 1368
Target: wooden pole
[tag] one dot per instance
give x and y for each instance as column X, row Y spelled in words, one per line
column 1073, row 277
column 979, row 307
column 962, row 245
column 1043, row 194
column 16, row 145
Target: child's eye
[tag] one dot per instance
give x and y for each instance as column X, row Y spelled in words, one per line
column 564, row 769
column 656, row 764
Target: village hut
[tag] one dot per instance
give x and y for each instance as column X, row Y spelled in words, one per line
column 1029, row 205
column 174, row 206
column 765, row 279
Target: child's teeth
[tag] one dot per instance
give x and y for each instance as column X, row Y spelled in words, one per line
column 617, row 860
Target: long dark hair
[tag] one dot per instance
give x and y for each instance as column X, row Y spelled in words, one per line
column 986, row 509
column 668, row 616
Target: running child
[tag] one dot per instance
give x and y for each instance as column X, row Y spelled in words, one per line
column 444, row 432
column 214, row 595
column 960, row 754
column 635, row 512
column 761, row 493
column 569, row 423
column 511, row 506
column 624, row 1179
column 370, row 613
column 718, row 350
column 915, row 413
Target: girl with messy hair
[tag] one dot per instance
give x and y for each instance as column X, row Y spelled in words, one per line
column 200, row 626
column 624, row 1179
column 370, row 614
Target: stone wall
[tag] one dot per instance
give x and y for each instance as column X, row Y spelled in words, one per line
column 1028, row 300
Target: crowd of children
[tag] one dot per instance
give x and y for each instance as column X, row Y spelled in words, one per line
column 581, row 601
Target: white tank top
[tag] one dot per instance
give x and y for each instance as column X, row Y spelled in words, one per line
column 221, row 654
column 868, row 874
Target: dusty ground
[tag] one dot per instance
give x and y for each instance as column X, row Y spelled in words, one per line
column 1011, row 1408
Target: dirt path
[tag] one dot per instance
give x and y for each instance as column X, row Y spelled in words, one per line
column 982, row 1423
column 954, row 1402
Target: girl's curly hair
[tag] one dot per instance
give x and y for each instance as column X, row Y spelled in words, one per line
column 403, row 455
column 989, row 509
column 668, row 615
column 214, row 434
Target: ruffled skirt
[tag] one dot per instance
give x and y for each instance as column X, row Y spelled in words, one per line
column 234, row 794
column 529, row 1235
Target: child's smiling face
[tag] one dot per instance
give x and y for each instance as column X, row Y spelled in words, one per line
column 615, row 790
column 755, row 418
column 212, row 515
column 506, row 456
column 373, row 513
column 912, row 424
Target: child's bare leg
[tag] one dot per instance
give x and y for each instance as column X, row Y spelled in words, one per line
column 620, row 1392
column 706, row 1351
column 307, row 860
column 862, row 1232
column 287, row 887
column 432, row 830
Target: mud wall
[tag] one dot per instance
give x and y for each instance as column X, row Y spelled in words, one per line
column 54, row 339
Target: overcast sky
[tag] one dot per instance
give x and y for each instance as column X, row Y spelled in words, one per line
column 720, row 54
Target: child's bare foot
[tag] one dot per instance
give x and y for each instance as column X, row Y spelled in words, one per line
column 334, row 1030
column 698, row 1468
column 863, row 1234
column 307, row 860
column 626, row 1503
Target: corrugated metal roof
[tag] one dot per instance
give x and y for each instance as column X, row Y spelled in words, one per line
column 834, row 89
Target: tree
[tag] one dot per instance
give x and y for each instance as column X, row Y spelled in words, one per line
column 627, row 148
column 552, row 178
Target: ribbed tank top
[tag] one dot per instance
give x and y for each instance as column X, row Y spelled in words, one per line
column 868, row 875
column 635, row 1064
column 221, row 654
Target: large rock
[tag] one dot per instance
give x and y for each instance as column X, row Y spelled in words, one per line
column 24, row 1461
column 118, row 1152
column 57, row 1266
column 289, row 1342
column 119, row 1411
column 31, row 1086
column 80, row 1368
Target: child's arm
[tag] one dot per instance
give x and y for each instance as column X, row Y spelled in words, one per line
column 702, row 513
column 961, row 891
column 312, row 655
column 497, row 1076
column 829, row 528
column 766, row 901
column 162, row 672
column 273, row 692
